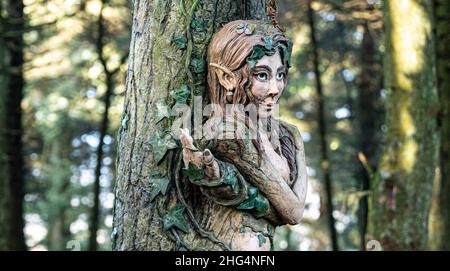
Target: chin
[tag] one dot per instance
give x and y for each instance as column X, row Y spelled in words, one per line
column 265, row 113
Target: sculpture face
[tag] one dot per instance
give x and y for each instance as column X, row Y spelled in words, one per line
column 248, row 63
column 268, row 82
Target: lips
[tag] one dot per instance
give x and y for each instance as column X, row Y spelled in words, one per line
column 268, row 106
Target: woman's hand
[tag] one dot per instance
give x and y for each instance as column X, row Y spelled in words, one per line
column 201, row 159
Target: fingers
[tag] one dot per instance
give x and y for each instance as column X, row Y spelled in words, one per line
column 190, row 152
column 212, row 169
column 208, row 157
column 186, row 139
column 186, row 157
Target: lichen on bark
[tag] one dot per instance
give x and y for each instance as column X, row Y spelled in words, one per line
column 400, row 203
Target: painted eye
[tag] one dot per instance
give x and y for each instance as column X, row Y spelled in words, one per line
column 281, row 76
column 262, row 76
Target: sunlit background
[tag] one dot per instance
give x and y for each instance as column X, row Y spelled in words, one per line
column 66, row 81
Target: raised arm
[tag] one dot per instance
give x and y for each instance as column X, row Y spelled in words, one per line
column 223, row 183
column 287, row 201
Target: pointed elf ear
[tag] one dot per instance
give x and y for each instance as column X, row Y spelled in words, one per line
column 226, row 77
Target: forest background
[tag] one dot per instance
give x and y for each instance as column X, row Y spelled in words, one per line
column 369, row 90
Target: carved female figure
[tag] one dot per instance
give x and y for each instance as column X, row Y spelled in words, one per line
column 254, row 165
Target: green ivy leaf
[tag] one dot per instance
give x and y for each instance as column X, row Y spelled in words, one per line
column 261, row 239
column 160, row 144
column 257, row 53
column 247, row 204
column 254, row 201
column 162, row 111
column 261, row 204
column 252, row 192
column 230, row 178
column 180, row 42
column 158, row 185
column 193, row 172
column 288, row 54
column 197, row 65
column 198, row 25
column 268, row 43
column 181, row 95
column 242, row 229
column 175, row 219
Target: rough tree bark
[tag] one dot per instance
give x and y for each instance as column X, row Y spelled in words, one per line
column 440, row 217
column 400, row 200
column 167, row 52
column 11, row 160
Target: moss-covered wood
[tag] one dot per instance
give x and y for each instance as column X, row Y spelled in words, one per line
column 167, row 55
column 400, row 201
column 440, row 217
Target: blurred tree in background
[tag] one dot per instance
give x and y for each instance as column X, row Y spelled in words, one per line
column 75, row 75
column 440, row 216
column 12, row 25
column 402, row 189
column 376, row 131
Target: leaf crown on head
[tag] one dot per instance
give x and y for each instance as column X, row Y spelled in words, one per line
column 269, row 46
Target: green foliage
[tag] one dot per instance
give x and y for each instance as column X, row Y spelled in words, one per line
column 254, row 201
column 181, row 94
column 180, row 42
column 175, row 219
column 257, row 53
column 230, row 178
column 161, row 143
column 194, row 173
column 198, row 25
column 197, row 65
column 158, row 186
column 268, row 43
column 162, row 111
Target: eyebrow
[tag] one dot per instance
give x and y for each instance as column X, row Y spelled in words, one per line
column 262, row 67
column 282, row 68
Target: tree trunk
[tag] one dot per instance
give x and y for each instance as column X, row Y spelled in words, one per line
column 400, row 200
column 325, row 164
column 440, row 217
column 58, row 193
column 103, row 129
column 370, row 116
column 167, row 52
column 11, row 160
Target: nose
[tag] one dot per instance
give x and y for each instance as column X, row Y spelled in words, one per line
column 273, row 89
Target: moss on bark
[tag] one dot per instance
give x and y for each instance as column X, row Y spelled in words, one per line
column 440, row 216
column 400, row 202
